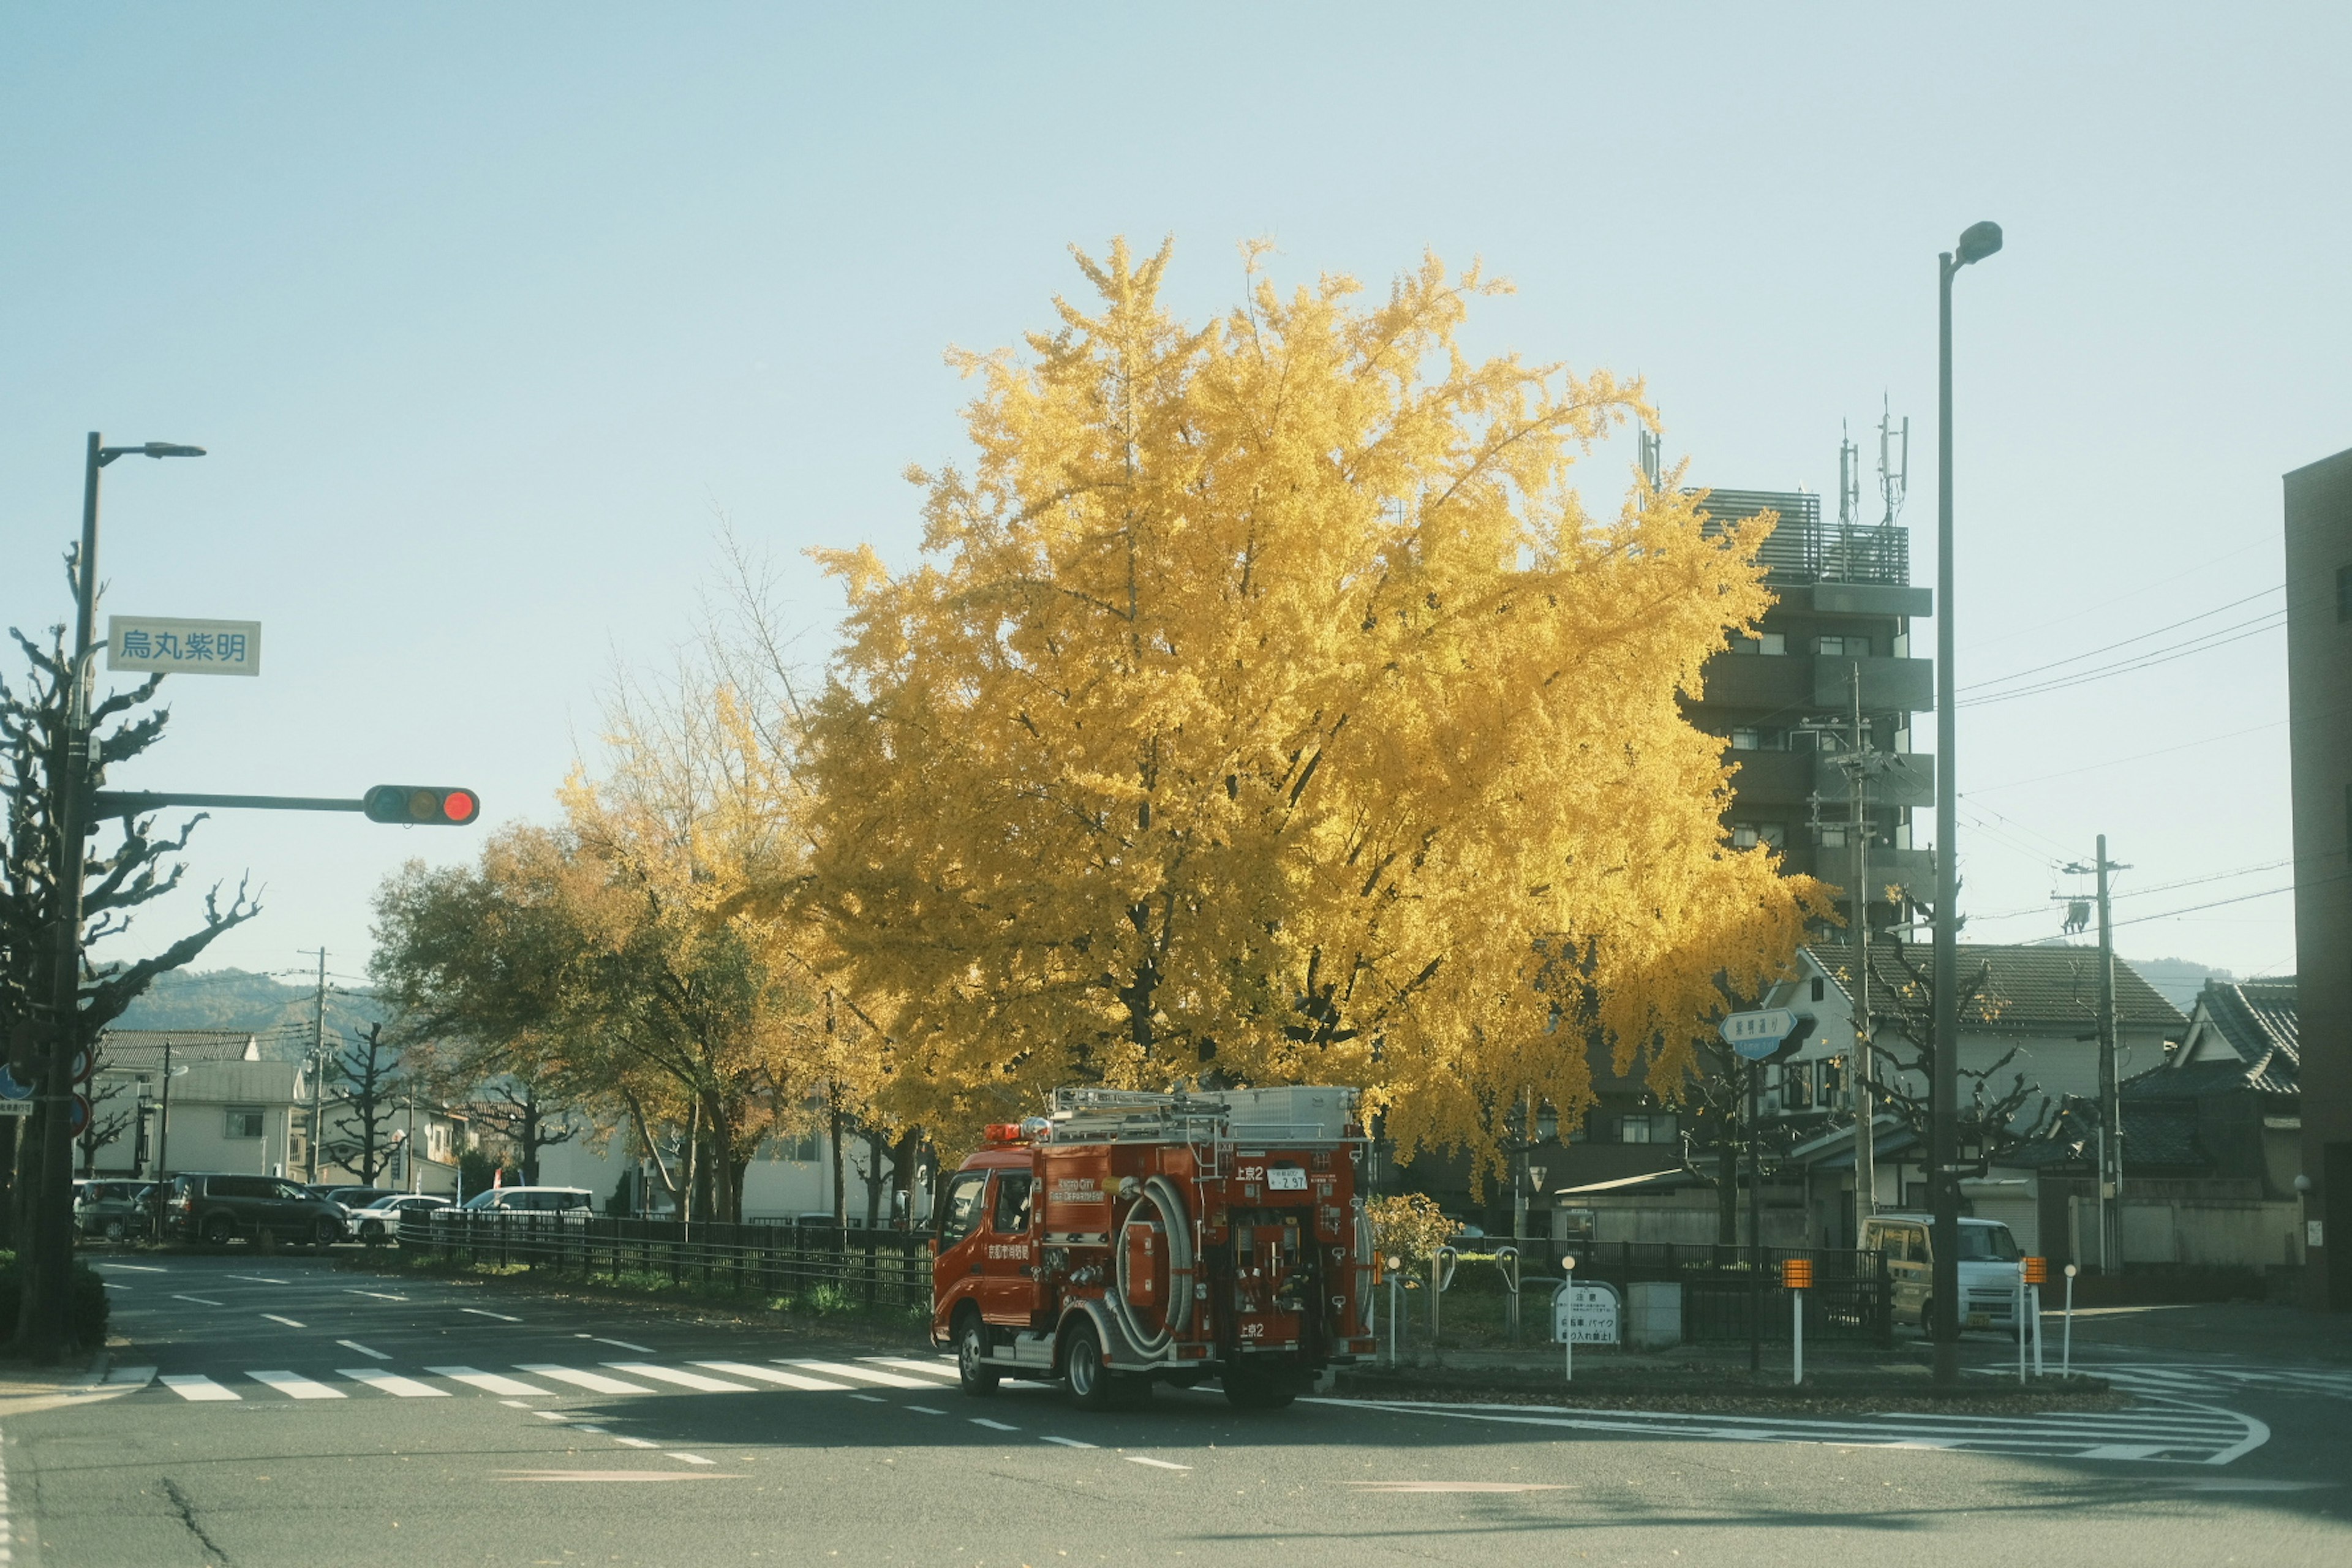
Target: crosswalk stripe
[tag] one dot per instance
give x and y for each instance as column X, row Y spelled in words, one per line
column 197, row 1387
column 944, row 1371
column 294, row 1386
column 861, row 1374
column 771, row 1374
column 693, row 1380
column 392, row 1383
column 594, row 1382
column 488, row 1382
column 140, row 1376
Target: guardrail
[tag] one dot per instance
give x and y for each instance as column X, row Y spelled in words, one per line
column 816, row 1268
column 1731, row 1293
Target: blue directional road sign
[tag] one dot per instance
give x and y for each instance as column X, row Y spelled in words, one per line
column 1757, row 1036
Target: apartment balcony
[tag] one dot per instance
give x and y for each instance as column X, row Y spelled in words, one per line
column 1792, row 684
column 1792, row 778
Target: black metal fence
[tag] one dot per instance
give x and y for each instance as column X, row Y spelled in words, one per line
column 820, row 1269
column 1728, row 1296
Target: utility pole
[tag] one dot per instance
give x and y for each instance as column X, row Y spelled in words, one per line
column 1860, row 761
column 317, row 1062
column 2111, row 1104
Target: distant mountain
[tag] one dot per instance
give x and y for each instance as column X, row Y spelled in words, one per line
column 2179, row 979
column 283, row 1015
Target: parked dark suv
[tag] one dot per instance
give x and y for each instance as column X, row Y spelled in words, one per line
column 214, row 1208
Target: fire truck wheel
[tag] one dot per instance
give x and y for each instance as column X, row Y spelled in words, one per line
column 1092, row 1387
column 972, row 1371
column 1258, row 1391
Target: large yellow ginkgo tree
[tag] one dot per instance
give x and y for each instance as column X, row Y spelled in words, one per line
column 1266, row 706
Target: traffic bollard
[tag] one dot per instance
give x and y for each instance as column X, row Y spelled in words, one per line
column 2033, row 1297
column 2067, row 1343
column 1796, row 1275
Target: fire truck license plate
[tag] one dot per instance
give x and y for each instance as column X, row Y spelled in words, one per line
column 1285, row 1179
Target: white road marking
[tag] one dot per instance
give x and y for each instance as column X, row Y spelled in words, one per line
column 598, row 1430
column 294, row 1386
column 550, row 1415
column 870, row 1398
column 1069, row 1442
column 594, row 1382
column 199, row 1300
column 1155, row 1464
column 288, row 1321
column 944, row 1371
column 636, row 1443
column 693, row 1380
column 2172, row 1430
column 925, row 1410
column 140, row 1376
column 517, row 1403
column 392, row 1383
column 197, row 1387
column 135, row 1267
column 991, row 1425
column 861, row 1373
column 484, row 1312
column 691, row 1459
column 259, row 1278
column 641, row 1350
column 488, row 1382
column 770, row 1374
column 356, row 1345
column 379, row 1295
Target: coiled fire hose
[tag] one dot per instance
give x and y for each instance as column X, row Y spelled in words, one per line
column 1162, row 1195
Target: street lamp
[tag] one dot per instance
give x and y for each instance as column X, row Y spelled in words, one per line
column 1976, row 242
column 52, row 1225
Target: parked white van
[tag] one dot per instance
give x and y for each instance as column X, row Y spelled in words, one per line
column 1988, row 1259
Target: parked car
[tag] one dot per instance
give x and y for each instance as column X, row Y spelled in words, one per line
column 1988, row 1269
column 215, row 1207
column 356, row 1198
column 114, row 1210
column 383, row 1217
column 533, row 1200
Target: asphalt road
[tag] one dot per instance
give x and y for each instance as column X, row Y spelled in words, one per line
column 278, row 1411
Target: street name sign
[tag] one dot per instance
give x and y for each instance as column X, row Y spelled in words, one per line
column 161, row 644
column 1757, row 1035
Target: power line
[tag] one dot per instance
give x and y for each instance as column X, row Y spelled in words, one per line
column 2241, row 898
column 2071, row 617
column 2271, row 622
column 2143, row 637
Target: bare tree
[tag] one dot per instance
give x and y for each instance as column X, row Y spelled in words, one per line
column 1993, row 1117
column 521, row 1113
column 370, row 1094
column 104, row 1126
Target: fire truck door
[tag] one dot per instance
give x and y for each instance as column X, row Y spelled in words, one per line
column 1008, row 1267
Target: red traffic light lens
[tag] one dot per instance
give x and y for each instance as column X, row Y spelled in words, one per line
column 460, row 806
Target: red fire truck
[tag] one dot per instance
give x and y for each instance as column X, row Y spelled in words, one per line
column 1129, row 1239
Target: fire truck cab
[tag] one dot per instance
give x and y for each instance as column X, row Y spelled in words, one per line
column 1129, row 1239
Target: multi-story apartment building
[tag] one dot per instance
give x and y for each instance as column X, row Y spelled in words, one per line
column 1842, row 619
column 2319, row 693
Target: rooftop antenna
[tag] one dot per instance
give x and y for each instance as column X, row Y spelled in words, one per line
column 1849, row 480
column 1650, row 455
column 1893, row 462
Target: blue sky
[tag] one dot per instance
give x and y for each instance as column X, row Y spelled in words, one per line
column 486, row 313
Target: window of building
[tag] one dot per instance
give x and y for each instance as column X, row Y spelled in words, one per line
column 244, row 1121
column 1759, row 740
column 1820, row 987
column 1646, row 1128
column 801, row 1149
column 1834, row 834
column 1767, row 643
column 1846, row 646
column 1748, row 835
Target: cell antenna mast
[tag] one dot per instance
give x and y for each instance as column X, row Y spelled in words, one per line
column 1849, row 480
column 1650, row 455
column 1893, row 462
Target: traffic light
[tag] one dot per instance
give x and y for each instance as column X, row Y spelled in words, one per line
column 422, row 805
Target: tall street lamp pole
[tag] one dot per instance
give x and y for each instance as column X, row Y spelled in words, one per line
column 47, row 1286
column 1976, row 242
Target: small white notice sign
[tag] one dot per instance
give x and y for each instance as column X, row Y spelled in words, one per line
column 159, row 643
column 1584, row 1314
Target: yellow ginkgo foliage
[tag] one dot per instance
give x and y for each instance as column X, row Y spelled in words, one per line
column 1266, row 708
